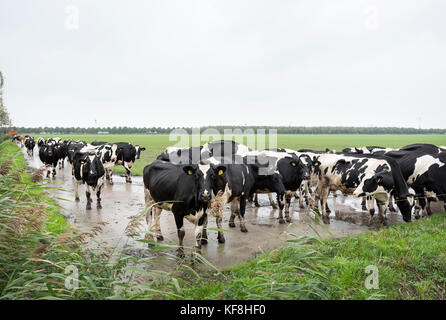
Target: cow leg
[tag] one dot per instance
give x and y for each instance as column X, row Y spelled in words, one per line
column 148, row 202
column 256, row 200
column 281, row 205
column 110, row 176
column 271, row 201
column 98, row 195
column 159, row 235
column 76, row 189
column 371, row 207
column 199, row 226
column 363, row 204
column 324, row 191
column 301, row 195
column 128, row 173
column 242, row 214
column 421, row 204
column 391, row 206
column 235, row 209
column 181, row 233
column 204, row 234
column 382, row 212
column 288, row 197
column 88, row 194
column 220, row 236
column 428, row 206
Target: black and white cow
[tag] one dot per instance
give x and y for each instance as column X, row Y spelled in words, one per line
column 40, row 142
column 347, row 172
column 126, row 154
column 239, row 181
column 423, row 168
column 30, row 144
column 88, row 170
column 183, row 189
column 294, row 167
column 189, row 155
column 367, row 150
column 48, row 154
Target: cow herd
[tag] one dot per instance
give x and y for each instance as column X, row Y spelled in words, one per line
column 197, row 182
column 91, row 163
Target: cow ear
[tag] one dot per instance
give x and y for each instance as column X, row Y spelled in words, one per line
column 220, row 170
column 189, row 170
column 142, row 149
column 379, row 178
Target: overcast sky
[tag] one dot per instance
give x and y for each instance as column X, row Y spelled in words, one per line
column 195, row 63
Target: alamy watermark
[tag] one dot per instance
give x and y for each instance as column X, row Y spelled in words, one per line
column 232, row 146
column 372, row 280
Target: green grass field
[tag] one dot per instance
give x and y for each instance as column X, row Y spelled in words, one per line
column 156, row 144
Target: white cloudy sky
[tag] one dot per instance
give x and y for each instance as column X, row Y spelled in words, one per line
column 203, row 62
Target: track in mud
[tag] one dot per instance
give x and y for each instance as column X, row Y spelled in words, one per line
column 123, row 201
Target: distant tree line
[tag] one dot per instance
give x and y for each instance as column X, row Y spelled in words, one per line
column 280, row 130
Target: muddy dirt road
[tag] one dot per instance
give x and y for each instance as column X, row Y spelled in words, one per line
column 122, row 201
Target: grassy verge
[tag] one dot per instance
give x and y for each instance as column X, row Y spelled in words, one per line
column 38, row 250
column 410, row 260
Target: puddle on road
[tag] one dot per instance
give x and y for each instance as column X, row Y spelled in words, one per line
column 122, row 201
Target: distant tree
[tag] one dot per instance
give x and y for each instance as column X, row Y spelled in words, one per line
column 5, row 121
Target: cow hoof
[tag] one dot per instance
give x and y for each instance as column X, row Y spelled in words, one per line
column 99, row 206
column 232, row 224
column 243, row 229
column 281, row 220
column 221, row 239
column 77, row 199
column 302, row 206
column 180, row 253
column 417, row 217
column 204, row 241
column 364, row 208
column 274, row 206
column 88, row 207
column 111, row 182
column 326, row 220
column 288, row 219
column 385, row 223
column 257, row 205
column 160, row 238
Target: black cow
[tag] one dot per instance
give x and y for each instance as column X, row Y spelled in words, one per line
column 186, row 187
column 126, row 154
column 30, row 144
column 88, row 170
column 48, row 154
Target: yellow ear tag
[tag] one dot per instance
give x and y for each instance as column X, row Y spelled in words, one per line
column 379, row 179
column 189, row 172
column 293, row 164
column 220, row 172
column 316, row 164
column 82, row 162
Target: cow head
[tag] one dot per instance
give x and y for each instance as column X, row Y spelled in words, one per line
column 138, row 151
column 92, row 168
column 383, row 181
column 203, row 180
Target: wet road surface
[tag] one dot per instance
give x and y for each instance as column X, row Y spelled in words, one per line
column 123, row 201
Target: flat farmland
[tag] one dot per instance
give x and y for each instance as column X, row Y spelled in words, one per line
column 155, row 144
